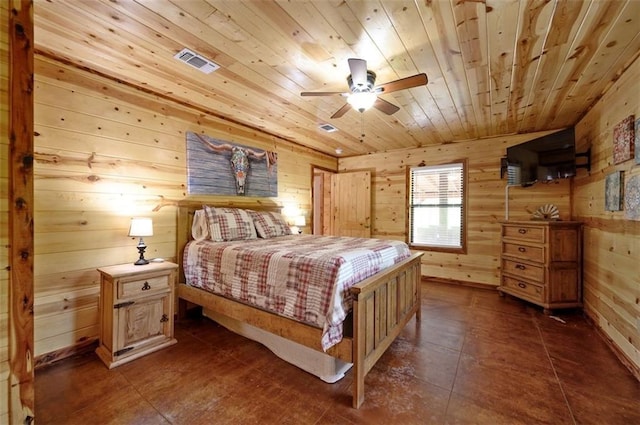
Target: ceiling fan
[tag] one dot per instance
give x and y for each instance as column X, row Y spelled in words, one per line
column 363, row 93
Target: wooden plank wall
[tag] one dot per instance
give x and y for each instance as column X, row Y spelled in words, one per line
column 104, row 153
column 612, row 244
column 486, row 206
column 4, row 212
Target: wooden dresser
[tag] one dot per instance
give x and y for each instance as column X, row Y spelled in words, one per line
column 541, row 262
column 136, row 310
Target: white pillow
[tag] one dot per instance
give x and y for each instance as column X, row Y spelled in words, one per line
column 200, row 226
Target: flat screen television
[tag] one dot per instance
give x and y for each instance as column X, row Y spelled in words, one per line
column 544, row 159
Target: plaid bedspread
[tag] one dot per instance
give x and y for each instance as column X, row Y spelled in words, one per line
column 302, row 277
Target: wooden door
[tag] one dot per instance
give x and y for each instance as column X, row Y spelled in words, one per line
column 351, row 204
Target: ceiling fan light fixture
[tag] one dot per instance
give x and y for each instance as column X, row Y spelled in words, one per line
column 361, row 101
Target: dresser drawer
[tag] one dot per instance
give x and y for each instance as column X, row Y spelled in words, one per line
column 527, row 290
column 524, row 233
column 527, row 252
column 143, row 286
column 526, row 271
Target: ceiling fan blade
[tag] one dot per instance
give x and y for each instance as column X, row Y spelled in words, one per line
column 321, row 93
column 403, row 83
column 340, row 112
column 358, row 69
column 386, row 107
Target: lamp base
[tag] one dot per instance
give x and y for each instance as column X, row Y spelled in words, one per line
column 141, row 247
column 141, row 262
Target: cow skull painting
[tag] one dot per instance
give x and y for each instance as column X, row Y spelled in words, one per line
column 253, row 171
column 239, row 167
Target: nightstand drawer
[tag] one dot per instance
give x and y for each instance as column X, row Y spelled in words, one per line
column 524, row 233
column 150, row 285
column 527, row 252
column 526, row 289
column 526, row 271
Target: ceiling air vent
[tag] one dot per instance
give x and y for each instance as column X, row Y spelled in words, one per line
column 195, row 60
column 327, row 127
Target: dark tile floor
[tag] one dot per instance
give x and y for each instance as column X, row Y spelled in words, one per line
column 475, row 358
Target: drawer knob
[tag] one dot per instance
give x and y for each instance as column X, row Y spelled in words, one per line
column 146, row 286
column 522, row 231
column 520, row 267
column 522, row 249
column 522, row 285
column 164, row 318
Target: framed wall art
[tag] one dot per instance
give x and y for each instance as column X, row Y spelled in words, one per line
column 636, row 144
column 613, row 191
column 632, row 199
column 623, row 139
column 217, row 167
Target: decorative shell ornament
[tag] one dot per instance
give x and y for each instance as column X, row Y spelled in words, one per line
column 546, row 212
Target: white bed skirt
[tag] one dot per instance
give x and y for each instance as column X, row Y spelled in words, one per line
column 322, row 365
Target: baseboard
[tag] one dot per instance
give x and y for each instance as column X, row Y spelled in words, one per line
column 444, row 281
column 622, row 357
column 83, row 347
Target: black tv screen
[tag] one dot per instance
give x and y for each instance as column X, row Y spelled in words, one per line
column 544, row 159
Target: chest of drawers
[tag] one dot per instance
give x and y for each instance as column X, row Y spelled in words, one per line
column 541, row 262
column 136, row 310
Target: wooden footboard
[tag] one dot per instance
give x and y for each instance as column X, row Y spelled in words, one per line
column 382, row 306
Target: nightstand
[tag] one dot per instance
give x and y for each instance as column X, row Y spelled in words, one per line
column 136, row 311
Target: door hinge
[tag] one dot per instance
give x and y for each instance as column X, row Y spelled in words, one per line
column 121, row 352
column 124, row 304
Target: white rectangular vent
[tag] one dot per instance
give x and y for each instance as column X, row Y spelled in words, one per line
column 327, row 127
column 195, row 60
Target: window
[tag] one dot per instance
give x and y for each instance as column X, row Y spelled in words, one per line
column 437, row 207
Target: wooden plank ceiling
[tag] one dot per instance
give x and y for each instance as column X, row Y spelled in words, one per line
column 495, row 67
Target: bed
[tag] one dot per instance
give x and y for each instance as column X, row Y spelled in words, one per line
column 382, row 304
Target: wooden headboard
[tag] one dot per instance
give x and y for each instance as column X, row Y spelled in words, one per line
column 187, row 208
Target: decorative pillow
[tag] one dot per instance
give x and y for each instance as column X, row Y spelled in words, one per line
column 229, row 224
column 200, row 226
column 269, row 224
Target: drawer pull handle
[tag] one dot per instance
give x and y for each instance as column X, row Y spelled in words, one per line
column 520, row 267
column 522, row 231
column 146, row 286
column 522, row 249
column 522, row 285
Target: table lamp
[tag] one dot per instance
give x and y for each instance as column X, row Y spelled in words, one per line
column 141, row 227
column 298, row 222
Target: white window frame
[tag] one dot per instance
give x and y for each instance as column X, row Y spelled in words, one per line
column 443, row 198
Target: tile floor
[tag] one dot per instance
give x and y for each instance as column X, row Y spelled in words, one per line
column 475, row 358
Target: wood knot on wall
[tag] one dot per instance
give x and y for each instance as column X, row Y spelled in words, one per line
column 21, row 204
column 27, row 162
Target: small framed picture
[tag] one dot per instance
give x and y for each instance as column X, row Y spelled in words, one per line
column 613, row 191
column 636, row 145
column 632, row 198
column 623, row 139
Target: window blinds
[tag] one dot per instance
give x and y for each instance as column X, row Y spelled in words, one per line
column 436, row 205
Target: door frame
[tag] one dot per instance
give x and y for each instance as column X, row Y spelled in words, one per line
column 315, row 197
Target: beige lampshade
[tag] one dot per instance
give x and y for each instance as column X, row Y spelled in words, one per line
column 299, row 221
column 141, row 226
